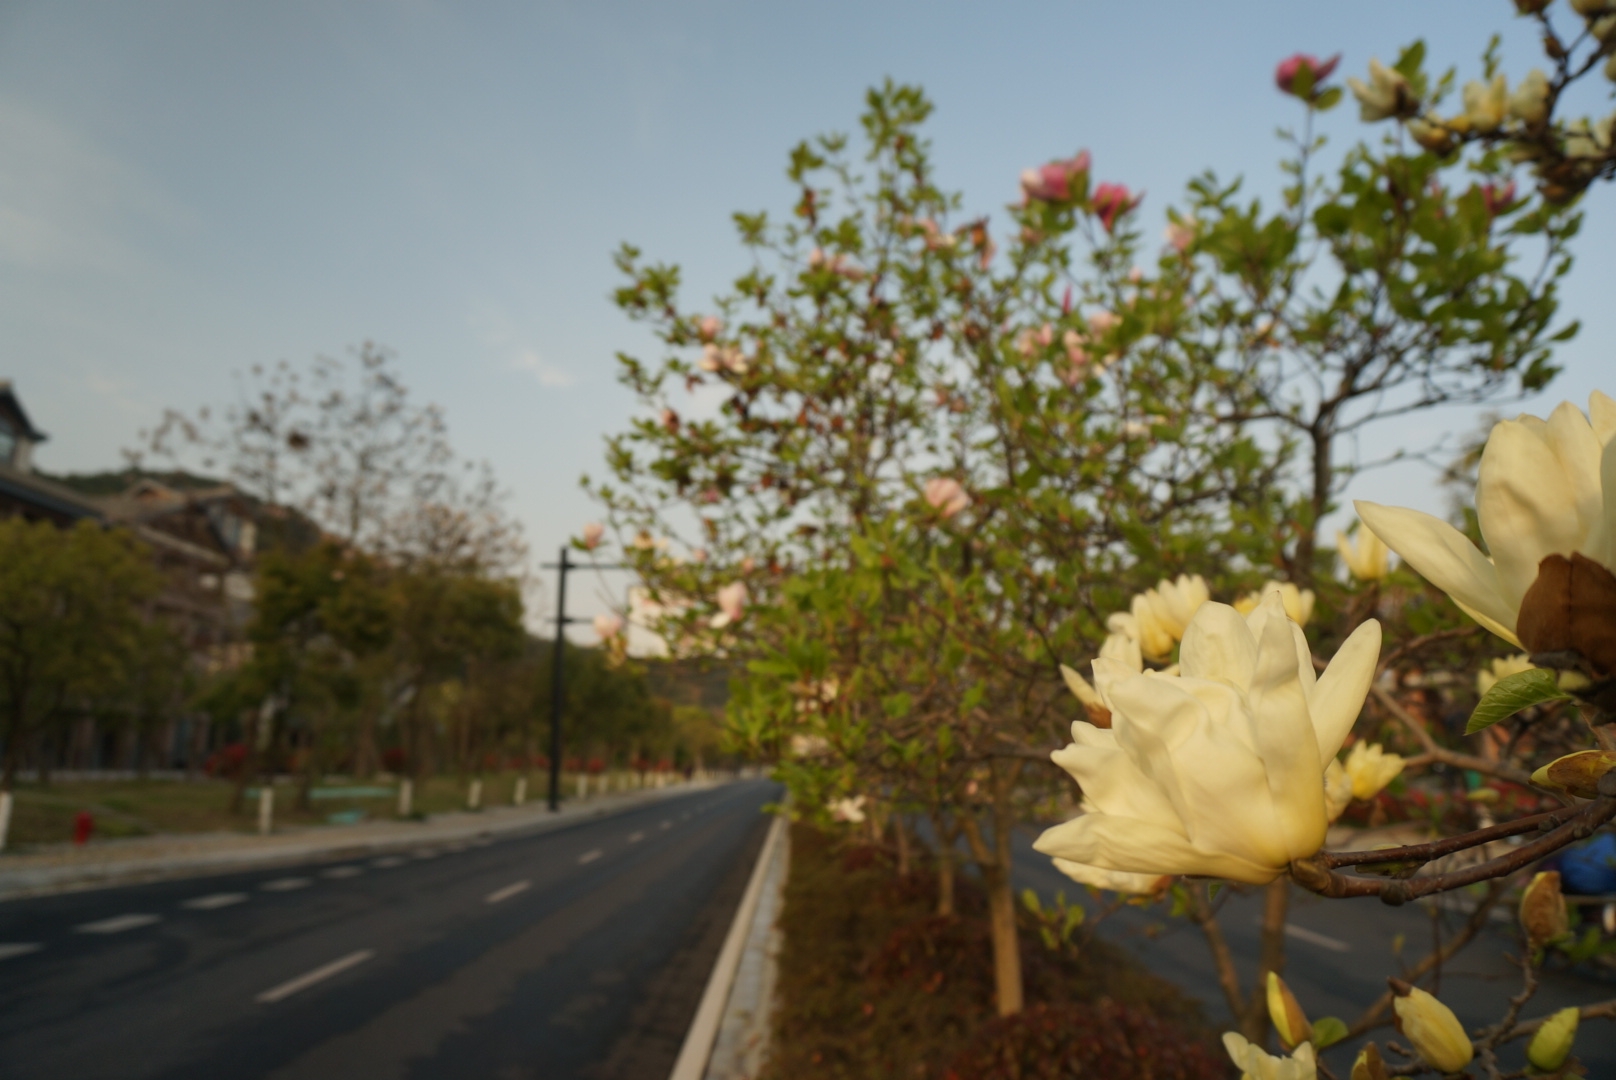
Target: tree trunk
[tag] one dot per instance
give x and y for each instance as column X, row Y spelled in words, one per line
column 1006, row 946
column 901, row 834
column 1276, row 903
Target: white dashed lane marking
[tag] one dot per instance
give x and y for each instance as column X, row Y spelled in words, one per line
column 214, row 900
column 590, row 856
column 1313, row 937
column 387, row 862
column 118, row 924
column 635, row 837
column 286, row 884
column 8, row 949
column 318, row 975
column 508, row 891
column 337, row 873
column 665, row 825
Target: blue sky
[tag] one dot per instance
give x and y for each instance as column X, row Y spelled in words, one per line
column 189, row 188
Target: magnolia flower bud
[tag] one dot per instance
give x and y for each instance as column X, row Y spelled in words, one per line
column 608, row 626
column 1431, row 1026
column 1111, row 201
column 1589, row 8
column 1486, row 103
column 1290, row 1022
column 731, row 604
column 1552, row 1044
column 1285, row 75
column 1432, row 133
column 1368, row 1065
column 593, row 533
column 1543, row 910
column 1530, row 102
column 946, row 495
column 1387, row 94
column 708, row 327
column 1576, row 774
column 1181, row 233
column 1099, row 715
column 1365, row 556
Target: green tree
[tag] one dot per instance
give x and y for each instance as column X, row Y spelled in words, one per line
column 72, row 621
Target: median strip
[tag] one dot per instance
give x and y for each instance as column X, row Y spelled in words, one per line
column 318, row 975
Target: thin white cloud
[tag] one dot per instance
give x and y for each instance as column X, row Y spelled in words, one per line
column 500, row 336
column 547, row 374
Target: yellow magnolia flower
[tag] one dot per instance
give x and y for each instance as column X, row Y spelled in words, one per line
column 1365, row 556
column 1486, row 104
column 1159, row 616
column 1337, row 789
column 1298, row 602
column 1539, row 493
column 1387, row 93
column 1219, row 770
column 1431, row 132
column 1371, row 768
column 1530, row 101
column 1255, row 1063
column 1433, row 1029
column 1501, row 668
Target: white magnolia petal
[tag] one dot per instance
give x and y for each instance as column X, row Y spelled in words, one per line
column 1577, row 447
column 1142, row 848
column 1214, row 783
column 1602, row 548
column 1219, row 645
column 1602, row 417
column 1112, row 784
column 1446, row 558
column 1286, row 740
column 1115, row 880
column 1524, row 503
column 1488, row 622
column 1079, row 686
column 1338, row 697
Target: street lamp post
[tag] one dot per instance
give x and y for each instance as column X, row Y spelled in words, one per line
column 557, row 692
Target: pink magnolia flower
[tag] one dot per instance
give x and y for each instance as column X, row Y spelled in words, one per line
column 608, row 626
column 670, row 420
column 1181, row 233
column 1111, row 201
column 1053, row 182
column 1292, row 66
column 946, row 495
column 594, row 532
column 699, row 555
column 722, row 358
column 731, row 604
column 1136, row 275
column 1102, row 323
column 1026, row 345
column 708, row 327
column 1497, row 197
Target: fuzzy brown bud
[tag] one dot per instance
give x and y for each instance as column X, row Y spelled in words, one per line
column 1543, row 910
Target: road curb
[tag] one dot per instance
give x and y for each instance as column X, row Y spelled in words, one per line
column 20, row 882
column 731, row 1020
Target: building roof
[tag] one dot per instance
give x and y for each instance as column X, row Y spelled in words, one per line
column 53, row 498
column 9, row 402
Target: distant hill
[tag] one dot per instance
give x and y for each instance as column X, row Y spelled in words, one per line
column 101, row 484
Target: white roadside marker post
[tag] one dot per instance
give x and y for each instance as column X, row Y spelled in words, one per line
column 406, row 797
column 520, row 796
column 266, row 810
column 474, row 797
column 5, row 817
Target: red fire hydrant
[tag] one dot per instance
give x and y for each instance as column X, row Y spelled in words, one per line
column 83, row 826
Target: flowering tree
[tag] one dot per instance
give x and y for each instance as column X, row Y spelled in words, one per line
column 917, row 481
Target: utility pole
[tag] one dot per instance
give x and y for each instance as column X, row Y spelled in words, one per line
column 557, row 692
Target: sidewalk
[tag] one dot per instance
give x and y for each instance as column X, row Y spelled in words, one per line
column 103, row 864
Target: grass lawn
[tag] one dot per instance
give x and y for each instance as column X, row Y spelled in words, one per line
column 43, row 814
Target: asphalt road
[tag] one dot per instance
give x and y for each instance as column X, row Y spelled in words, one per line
column 1339, row 954
column 580, row 952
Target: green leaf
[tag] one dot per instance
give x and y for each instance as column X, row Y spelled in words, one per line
column 1513, row 693
column 1328, row 99
column 1327, row 1031
column 1029, row 900
column 1074, row 919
